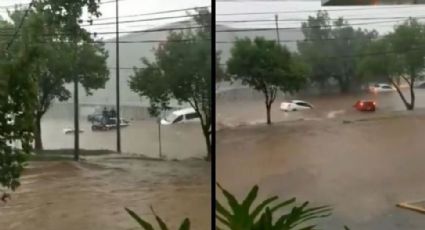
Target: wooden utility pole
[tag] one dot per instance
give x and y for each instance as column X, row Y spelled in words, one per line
column 117, row 43
column 277, row 28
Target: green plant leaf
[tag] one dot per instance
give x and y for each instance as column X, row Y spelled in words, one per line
column 261, row 206
column 139, row 220
column 221, row 210
column 252, row 195
column 161, row 223
column 234, row 205
column 185, row 225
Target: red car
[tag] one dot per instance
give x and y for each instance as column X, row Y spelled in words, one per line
column 365, row 105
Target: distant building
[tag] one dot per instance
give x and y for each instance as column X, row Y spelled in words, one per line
column 369, row 2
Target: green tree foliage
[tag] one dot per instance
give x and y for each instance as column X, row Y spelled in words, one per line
column 182, row 70
column 18, row 89
column 331, row 48
column 266, row 67
column 185, row 225
column 399, row 54
column 60, row 60
column 246, row 216
column 25, row 65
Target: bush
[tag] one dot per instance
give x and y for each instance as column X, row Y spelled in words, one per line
column 243, row 216
column 147, row 226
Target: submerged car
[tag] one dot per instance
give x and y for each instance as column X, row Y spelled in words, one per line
column 382, row 88
column 181, row 116
column 365, row 105
column 108, row 124
column 295, row 105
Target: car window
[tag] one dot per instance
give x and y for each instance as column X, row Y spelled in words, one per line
column 303, row 104
column 178, row 119
column 191, row 116
column 386, row 87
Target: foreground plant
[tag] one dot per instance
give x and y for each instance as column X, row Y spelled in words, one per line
column 147, row 226
column 245, row 216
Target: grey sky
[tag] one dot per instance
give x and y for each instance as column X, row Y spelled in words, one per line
column 131, row 7
column 292, row 10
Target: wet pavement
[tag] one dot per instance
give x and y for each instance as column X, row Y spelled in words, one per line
column 92, row 195
column 362, row 169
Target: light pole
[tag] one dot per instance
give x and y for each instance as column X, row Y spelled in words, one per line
column 117, row 43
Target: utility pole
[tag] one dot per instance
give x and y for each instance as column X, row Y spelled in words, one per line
column 117, row 43
column 76, row 102
column 159, row 137
column 277, row 28
column 76, row 116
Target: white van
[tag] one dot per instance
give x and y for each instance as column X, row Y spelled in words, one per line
column 181, row 116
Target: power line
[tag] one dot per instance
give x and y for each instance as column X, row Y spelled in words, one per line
column 152, row 13
column 306, row 20
column 131, row 31
column 27, row 4
column 299, row 28
column 20, row 25
column 314, row 11
column 138, row 20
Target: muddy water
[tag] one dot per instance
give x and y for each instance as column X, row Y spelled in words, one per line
column 362, row 169
column 248, row 112
column 71, row 196
column 141, row 137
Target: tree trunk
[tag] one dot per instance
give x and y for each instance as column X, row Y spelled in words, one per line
column 207, row 137
column 37, row 133
column 409, row 106
column 412, row 95
column 268, row 107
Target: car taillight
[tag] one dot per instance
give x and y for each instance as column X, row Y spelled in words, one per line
column 361, row 104
column 374, row 103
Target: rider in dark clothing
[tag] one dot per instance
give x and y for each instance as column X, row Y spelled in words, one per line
column 112, row 113
column 105, row 113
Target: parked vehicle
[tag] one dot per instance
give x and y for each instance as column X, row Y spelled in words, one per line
column 70, row 130
column 295, row 105
column 365, row 106
column 181, row 116
column 94, row 117
column 108, row 124
column 382, row 88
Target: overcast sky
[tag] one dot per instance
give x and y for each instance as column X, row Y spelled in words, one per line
column 131, row 7
column 296, row 10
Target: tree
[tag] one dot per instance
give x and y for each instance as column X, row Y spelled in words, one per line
column 265, row 66
column 18, row 90
column 330, row 48
column 18, row 70
column 60, row 60
column 398, row 54
column 407, row 42
column 316, row 48
column 181, row 70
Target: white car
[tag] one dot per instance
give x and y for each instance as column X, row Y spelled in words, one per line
column 181, row 116
column 295, row 105
column 382, row 88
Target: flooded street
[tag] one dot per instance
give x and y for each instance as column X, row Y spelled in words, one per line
column 179, row 141
column 92, row 195
column 248, row 112
column 362, row 169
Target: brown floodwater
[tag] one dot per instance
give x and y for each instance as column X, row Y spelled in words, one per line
column 362, row 169
column 180, row 141
column 92, row 195
column 231, row 113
